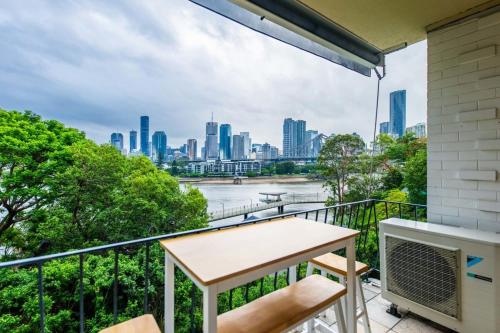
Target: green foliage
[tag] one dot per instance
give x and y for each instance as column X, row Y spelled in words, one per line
column 285, row 168
column 392, row 178
column 415, row 177
column 338, row 162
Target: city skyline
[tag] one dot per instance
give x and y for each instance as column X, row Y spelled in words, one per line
column 168, row 67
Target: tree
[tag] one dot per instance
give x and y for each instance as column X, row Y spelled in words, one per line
column 337, row 162
column 32, row 152
column 285, row 168
column 415, row 177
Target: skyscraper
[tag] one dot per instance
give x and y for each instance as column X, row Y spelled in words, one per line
column 145, row 135
column 225, row 142
column 192, row 149
column 247, row 144
column 117, row 141
column 133, row 140
column 211, row 141
column 397, row 122
column 238, row 152
column 418, row 129
column 159, row 146
column 310, row 135
column 384, row 127
column 294, row 135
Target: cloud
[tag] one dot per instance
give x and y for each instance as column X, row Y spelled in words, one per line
column 99, row 65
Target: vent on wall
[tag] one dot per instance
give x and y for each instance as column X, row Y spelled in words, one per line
column 423, row 273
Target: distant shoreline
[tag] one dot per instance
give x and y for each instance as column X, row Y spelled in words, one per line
column 250, row 180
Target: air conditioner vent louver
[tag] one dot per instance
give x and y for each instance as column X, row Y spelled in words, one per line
column 425, row 274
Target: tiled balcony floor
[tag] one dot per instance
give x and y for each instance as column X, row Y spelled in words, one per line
column 381, row 321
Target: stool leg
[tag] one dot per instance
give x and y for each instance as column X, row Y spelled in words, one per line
column 343, row 299
column 339, row 314
column 309, row 269
column 362, row 304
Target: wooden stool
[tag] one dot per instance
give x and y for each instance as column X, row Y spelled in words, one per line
column 285, row 308
column 337, row 266
column 142, row 324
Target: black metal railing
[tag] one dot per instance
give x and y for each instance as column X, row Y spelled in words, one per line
column 361, row 215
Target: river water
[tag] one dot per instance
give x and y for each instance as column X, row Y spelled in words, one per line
column 230, row 196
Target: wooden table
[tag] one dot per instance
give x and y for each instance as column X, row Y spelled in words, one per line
column 217, row 261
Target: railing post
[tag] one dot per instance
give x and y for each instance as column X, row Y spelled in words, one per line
column 82, row 313
column 41, row 303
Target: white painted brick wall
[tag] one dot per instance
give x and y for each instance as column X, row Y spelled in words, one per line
column 464, row 124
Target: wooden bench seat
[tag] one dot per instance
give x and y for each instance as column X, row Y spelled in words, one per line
column 283, row 309
column 142, row 324
column 337, row 264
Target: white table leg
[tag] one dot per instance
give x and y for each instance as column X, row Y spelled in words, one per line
column 351, row 286
column 169, row 295
column 210, row 310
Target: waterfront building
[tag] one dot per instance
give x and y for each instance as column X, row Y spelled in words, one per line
column 224, row 167
column 117, row 141
column 309, row 142
column 192, row 149
column 317, row 144
column 247, row 144
column 397, row 116
column 294, row 135
column 238, row 151
column 211, row 141
column 418, row 129
column 225, row 139
column 159, row 146
column 145, row 135
column 133, row 140
column 384, row 127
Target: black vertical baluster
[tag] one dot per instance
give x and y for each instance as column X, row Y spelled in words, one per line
column 41, row 303
column 261, row 287
column 400, row 212
column 350, row 216
column 364, row 214
column 317, row 214
column 246, row 292
column 288, row 276
column 376, row 235
column 367, row 227
column 341, row 213
column 230, row 299
column 357, row 214
column 326, row 215
column 334, row 215
column 416, row 216
column 82, row 313
column 386, row 211
column 146, row 281
column 191, row 310
column 275, row 280
column 115, row 290
column 297, row 273
column 307, row 215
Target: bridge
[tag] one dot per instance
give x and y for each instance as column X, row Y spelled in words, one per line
column 279, row 202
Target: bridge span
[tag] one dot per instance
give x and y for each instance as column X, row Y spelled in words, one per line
column 284, row 200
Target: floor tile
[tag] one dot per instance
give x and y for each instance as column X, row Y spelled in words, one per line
column 377, row 311
column 411, row 324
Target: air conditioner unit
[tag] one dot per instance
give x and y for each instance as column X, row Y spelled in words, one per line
column 447, row 274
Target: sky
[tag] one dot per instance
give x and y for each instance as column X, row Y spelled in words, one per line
column 99, row 65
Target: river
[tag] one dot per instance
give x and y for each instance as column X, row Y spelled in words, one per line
column 229, row 196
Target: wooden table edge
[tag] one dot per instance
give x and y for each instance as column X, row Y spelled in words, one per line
column 269, row 263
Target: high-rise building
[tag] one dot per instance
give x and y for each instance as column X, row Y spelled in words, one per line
column 117, row 141
column 238, row 152
column 310, row 135
column 159, row 146
column 145, row 135
column 133, row 140
column 225, row 142
column 397, row 116
column 384, row 128
column 317, row 144
column 294, row 135
column 192, row 149
column 418, row 129
column 247, row 144
column 211, row 141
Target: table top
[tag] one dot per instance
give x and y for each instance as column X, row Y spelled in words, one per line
column 215, row 256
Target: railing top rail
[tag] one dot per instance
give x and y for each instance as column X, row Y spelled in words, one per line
column 141, row 241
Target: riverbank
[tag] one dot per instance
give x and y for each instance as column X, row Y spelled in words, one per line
column 251, row 180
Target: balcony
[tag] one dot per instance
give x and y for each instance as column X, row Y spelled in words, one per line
column 109, row 292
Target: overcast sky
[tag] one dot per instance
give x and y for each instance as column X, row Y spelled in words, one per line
column 100, row 65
